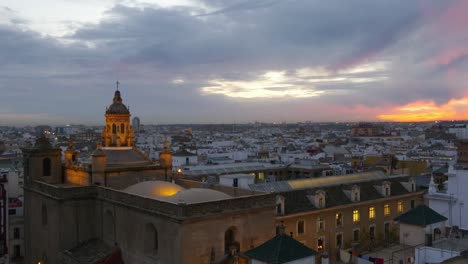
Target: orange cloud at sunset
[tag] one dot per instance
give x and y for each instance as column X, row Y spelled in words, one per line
column 421, row 111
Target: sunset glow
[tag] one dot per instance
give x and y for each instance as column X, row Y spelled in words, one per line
column 421, row 111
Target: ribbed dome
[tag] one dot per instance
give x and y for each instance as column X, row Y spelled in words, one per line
column 117, row 107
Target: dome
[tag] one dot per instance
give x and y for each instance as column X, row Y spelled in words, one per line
column 197, row 195
column 154, row 189
column 117, row 107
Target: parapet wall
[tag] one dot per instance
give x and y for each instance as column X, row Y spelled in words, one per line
column 176, row 211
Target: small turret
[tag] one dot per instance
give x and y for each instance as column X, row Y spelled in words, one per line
column 98, row 166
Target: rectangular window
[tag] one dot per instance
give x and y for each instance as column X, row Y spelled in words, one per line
column 356, row 235
column 320, row 223
column 355, row 216
column 372, row 232
column 371, row 212
column 320, row 244
column 339, row 219
column 16, row 233
column 386, row 209
column 400, row 207
column 387, row 229
column 16, row 252
column 339, row 240
column 300, row 227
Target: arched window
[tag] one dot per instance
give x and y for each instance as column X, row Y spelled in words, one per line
column 151, row 239
column 122, row 128
column 46, row 167
column 114, row 129
column 44, row 215
column 230, row 240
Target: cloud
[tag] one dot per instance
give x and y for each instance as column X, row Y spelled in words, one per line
column 420, row 111
column 219, row 61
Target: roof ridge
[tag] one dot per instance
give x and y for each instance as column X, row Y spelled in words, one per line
column 279, row 249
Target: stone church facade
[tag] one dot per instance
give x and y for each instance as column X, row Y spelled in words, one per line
column 77, row 213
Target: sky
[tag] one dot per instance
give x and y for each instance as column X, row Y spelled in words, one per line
column 233, row 61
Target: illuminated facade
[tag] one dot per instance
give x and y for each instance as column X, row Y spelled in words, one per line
column 117, row 132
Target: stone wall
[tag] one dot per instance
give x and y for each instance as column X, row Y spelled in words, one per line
column 185, row 232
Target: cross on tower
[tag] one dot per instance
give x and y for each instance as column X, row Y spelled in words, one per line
column 117, row 83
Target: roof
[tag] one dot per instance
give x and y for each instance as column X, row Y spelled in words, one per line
column 183, row 153
column 154, row 189
column 421, row 216
column 94, row 251
column 117, row 107
column 228, row 168
column 197, row 195
column 301, row 200
column 280, row 249
column 124, row 157
column 173, row 193
column 283, row 186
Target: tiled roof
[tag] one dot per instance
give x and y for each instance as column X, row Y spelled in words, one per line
column 280, row 249
column 421, row 216
column 319, row 182
column 297, row 201
column 116, row 157
column 92, row 251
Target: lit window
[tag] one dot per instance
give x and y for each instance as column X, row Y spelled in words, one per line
column 400, row 207
column 355, row 216
column 339, row 219
column 300, row 227
column 371, row 212
column 386, row 209
column 320, row 244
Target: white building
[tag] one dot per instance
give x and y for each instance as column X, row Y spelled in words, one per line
column 452, row 202
column 460, row 131
column 136, row 124
column 183, row 158
column 240, row 180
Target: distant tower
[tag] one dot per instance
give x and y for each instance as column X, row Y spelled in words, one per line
column 117, row 132
column 136, row 124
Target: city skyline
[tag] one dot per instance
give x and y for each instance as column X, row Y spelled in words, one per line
column 220, row 61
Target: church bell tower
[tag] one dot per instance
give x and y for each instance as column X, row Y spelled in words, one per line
column 118, row 132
